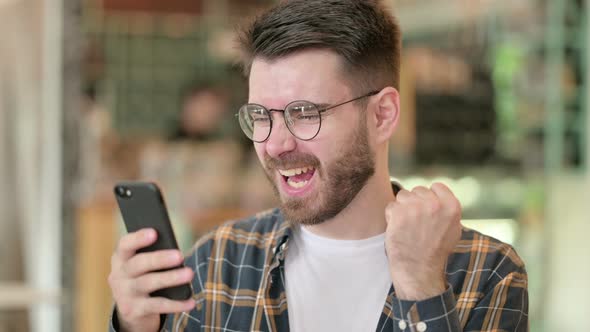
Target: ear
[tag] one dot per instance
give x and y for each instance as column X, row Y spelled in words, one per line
column 386, row 114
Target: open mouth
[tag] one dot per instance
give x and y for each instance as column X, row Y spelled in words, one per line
column 297, row 178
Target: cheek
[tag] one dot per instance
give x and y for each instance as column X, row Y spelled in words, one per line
column 331, row 144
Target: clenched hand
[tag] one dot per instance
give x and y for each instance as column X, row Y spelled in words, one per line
column 423, row 227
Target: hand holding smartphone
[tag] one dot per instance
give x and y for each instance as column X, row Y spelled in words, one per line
column 142, row 206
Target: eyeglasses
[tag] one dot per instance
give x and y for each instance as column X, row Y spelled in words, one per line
column 303, row 118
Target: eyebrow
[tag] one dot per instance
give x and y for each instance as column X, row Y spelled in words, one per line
column 319, row 105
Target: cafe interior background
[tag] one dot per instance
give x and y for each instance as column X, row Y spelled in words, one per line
column 494, row 104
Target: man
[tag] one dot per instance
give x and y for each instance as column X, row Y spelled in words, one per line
column 347, row 250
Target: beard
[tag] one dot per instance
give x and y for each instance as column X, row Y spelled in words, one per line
column 339, row 182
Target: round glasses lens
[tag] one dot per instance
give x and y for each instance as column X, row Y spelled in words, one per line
column 303, row 119
column 255, row 122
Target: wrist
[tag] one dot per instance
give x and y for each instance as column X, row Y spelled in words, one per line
column 418, row 286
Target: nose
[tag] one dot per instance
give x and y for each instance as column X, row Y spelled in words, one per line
column 280, row 140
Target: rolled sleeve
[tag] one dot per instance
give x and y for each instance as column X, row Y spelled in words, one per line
column 434, row 314
column 114, row 322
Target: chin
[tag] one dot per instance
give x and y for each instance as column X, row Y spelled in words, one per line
column 302, row 211
column 301, row 217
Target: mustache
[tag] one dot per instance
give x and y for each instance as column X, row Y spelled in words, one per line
column 291, row 160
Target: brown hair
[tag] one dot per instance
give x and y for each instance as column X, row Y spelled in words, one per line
column 362, row 32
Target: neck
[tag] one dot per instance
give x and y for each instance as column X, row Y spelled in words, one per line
column 364, row 217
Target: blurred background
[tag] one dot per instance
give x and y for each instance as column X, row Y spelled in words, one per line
column 92, row 92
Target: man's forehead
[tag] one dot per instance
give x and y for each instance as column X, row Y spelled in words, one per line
column 312, row 73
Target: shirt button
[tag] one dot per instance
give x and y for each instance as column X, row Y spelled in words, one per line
column 402, row 325
column 421, row 327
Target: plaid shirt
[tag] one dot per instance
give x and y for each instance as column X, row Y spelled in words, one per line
column 239, row 285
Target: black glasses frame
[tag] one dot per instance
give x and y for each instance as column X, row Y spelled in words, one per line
column 321, row 110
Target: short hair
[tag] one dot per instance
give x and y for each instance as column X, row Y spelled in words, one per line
column 363, row 33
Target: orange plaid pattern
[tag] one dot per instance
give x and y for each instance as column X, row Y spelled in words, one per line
column 239, row 285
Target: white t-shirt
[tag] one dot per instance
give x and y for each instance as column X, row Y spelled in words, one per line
column 335, row 285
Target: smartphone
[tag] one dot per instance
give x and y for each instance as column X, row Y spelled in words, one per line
column 142, row 206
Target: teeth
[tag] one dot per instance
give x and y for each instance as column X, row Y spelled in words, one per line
column 295, row 171
column 297, row 185
column 289, row 172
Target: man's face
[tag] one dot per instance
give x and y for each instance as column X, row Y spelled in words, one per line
column 315, row 179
